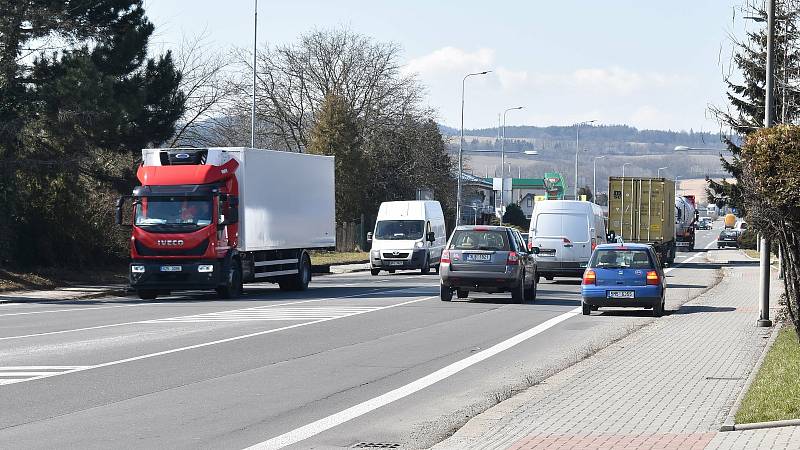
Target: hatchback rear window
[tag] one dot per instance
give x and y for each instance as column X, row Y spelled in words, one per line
column 480, row 240
column 621, row 259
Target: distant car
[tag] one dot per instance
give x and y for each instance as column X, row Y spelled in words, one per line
column 488, row 259
column 704, row 223
column 628, row 275
column 728, row 238
column 740, row 227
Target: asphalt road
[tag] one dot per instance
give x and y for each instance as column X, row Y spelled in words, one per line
column 354, row 360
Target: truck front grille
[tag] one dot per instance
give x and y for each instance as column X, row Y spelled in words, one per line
column 143, row 250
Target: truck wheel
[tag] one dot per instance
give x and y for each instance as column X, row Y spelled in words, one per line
column 300, row 281
column 374, row 272
column 445, row 293
column 233, row 282
column 426, row 266
column 147, row 294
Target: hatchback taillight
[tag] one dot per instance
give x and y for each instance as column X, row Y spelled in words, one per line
column 445, row 259
column 589, row 277
column 652, row 278
column 513, row 259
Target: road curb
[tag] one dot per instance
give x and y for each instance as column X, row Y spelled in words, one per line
column 730, row 422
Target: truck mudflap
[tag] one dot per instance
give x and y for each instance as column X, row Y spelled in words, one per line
column 174, row 275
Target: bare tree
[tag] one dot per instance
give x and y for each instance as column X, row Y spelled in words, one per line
column 208, row 91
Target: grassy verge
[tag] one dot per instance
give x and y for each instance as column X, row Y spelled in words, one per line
column 50, row 278
column 757, row 255
column 775, row 393
column 327, row 258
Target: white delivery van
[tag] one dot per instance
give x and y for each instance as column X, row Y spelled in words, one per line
column 408, row 235
column 566, row 232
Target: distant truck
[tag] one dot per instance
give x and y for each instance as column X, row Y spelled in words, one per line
column 642, row 210
column 685, row 218
column 730, row 220
column 216, row 218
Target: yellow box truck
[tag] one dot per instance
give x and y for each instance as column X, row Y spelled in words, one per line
column 642, row 210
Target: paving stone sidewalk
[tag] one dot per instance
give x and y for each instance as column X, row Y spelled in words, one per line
column 668, row 385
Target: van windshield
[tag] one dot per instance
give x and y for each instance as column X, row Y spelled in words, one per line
column 572, row 226
column 399, row 229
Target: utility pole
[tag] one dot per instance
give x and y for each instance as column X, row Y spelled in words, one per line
column 764, row 320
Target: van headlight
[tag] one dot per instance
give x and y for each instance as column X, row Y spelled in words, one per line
column 205, row 268
column 419, row 244
column 376, row 254
column 137, row 269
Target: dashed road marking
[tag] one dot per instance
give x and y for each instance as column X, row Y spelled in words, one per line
column 18, row 374
column 286, row 313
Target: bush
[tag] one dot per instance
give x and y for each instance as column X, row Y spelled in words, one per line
column 748, row 240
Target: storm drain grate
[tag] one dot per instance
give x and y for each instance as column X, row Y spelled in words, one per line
column 377, row 445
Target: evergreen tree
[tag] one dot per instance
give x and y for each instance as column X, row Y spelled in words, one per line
column 515, row 216
column 335, row 133
column 747, row 96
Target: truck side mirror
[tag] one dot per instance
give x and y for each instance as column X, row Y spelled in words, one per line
column 431, row 236
column 369, row 236
column 232, row 216
column 611, row 236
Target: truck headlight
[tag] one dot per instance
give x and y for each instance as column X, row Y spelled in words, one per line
column 205, row 268
column 137, row 269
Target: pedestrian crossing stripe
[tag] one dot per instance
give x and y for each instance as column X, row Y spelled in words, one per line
column 18, row 374
column 266, row 313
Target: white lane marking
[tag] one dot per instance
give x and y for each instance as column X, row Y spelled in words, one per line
column 217, row 342
column 75, row 309
column 326, row 423
column 18, row 374
column 100, row 327
column 264, row 313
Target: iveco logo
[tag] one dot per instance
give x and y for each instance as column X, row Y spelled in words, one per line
column 170, row 242
column 182, row 155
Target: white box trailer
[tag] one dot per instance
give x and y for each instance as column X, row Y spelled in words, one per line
column 223, row 216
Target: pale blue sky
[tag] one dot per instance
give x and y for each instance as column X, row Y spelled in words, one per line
column 650, row 64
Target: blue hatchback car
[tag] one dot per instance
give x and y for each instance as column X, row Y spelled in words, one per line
column 623, row 275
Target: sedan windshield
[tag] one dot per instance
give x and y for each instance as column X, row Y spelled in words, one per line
column 480, row 240
column 173, row 211
column 399, row 229
column 621, row 259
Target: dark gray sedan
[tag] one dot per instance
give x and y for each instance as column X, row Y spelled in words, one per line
column 488, row 259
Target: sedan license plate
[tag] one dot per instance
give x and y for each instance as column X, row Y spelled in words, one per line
column 479, row 257
column 395, row 263
column 171, row 268
column 620, row 294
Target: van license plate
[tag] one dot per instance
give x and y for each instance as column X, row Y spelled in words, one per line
column 171, row 268
column 395, row 263
column 472, row 257
column 620, row 294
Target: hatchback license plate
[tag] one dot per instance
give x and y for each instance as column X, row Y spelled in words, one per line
column 171, row 268
column 471, row 257
column 620, row 294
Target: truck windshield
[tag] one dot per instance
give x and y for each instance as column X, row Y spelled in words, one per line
column 399, row 229
column 172, row 212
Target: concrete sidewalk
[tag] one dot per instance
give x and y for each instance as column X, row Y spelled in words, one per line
column 669, row 385
column 73, row 292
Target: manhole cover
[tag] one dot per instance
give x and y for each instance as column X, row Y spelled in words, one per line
column 377, row 445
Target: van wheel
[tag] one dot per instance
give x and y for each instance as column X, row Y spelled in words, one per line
column 233, row 282
column 375, row 272
column 445, row 293
column 147, row 294
column 426, row 266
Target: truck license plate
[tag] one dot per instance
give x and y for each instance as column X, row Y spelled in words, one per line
column 620, row 294
column 171, row 268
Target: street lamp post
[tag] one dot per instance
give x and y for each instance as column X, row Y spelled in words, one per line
column 623, row 168
column 253, row 111
column 764, row 320
column 578, row 149
column 503, row 158
column 594, row 178
column 659, row 171
column 461, row 146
